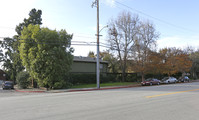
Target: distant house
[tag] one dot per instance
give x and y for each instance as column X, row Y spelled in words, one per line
column 87, row 65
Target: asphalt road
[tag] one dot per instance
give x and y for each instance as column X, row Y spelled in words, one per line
column 12, row 93
column 165, row 102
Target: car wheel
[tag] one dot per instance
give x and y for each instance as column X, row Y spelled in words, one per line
column 158, row 83
column 151, row 84
column 168, row 82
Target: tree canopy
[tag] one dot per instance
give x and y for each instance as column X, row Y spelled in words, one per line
column 46, row 54
column 11, row 59
column 34, row 19
column 131, row 38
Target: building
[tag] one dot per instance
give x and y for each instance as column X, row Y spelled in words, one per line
column 87, row 65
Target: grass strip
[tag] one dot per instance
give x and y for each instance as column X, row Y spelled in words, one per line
column 104, row 84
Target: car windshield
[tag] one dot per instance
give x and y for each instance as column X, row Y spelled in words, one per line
column 8, row 82
column 165, row 78
column 148, row 79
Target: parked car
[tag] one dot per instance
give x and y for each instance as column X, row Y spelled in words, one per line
column 169, row 80
column 8, row 85
column 151, row 81
column 184, row 79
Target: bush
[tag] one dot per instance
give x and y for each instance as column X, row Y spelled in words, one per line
column 61, row 85
column 82, row 78
column 131, row 78
column 86, row 78
column 23, row 79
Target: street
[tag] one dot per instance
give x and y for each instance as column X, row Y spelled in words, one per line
column 164, row 102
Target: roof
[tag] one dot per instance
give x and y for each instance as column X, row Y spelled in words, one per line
column 87, row 59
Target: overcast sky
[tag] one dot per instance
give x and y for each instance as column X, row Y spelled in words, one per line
column 176, row 20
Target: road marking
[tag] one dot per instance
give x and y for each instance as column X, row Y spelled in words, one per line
column 170, row 93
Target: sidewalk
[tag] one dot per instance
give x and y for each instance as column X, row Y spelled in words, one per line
column 73, row 90
column 78, row 89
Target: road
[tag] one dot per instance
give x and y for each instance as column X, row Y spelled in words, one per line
column 165, row 102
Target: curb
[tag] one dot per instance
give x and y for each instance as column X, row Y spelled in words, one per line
column 107, row 88
column 77, row 90
column 30, row 91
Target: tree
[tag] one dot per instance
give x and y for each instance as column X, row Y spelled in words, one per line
column 23, row 79
column 46, row 55
column 154, row 63
column 34, row 19
column 145, row 43
column 195, row 64
column 1, row 53
column 11, row 59
column 175, row 61
column 122, row 34
column 112, row 61
column 91, row 54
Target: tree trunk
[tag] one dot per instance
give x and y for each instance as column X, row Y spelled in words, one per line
column 142, row 77
column 123, row 75
column 33, row 83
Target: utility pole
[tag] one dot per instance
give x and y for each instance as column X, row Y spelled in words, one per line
column 96, row 3
column 98, row 61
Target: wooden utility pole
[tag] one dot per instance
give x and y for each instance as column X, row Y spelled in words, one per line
column 96, row 3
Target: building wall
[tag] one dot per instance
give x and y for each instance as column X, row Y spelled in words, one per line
column 87, row 67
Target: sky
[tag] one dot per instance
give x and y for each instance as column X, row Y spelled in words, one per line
column 177, row 21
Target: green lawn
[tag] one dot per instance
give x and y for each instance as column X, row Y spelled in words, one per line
column 104, row 84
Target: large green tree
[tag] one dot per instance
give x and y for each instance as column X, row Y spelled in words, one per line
column 34, row 19
column 1, row 53
column 46, row 54
column 11, row 59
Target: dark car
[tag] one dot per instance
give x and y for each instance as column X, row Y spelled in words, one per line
column 184, row 79
column 7, row 85
column 151, row 81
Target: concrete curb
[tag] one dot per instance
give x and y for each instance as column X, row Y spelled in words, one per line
column 77, row 90
column 105, row 88
column 83, row 89
column 29, row 91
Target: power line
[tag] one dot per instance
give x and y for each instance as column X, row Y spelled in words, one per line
column 155, row 18
column 76, row 43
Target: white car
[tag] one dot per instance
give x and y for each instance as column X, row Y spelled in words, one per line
column 169, row 80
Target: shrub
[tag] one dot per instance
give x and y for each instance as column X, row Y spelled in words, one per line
column 62, row 84
column 86, row 78
column 23, row 79
column 131, row 78
column 82, row 78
